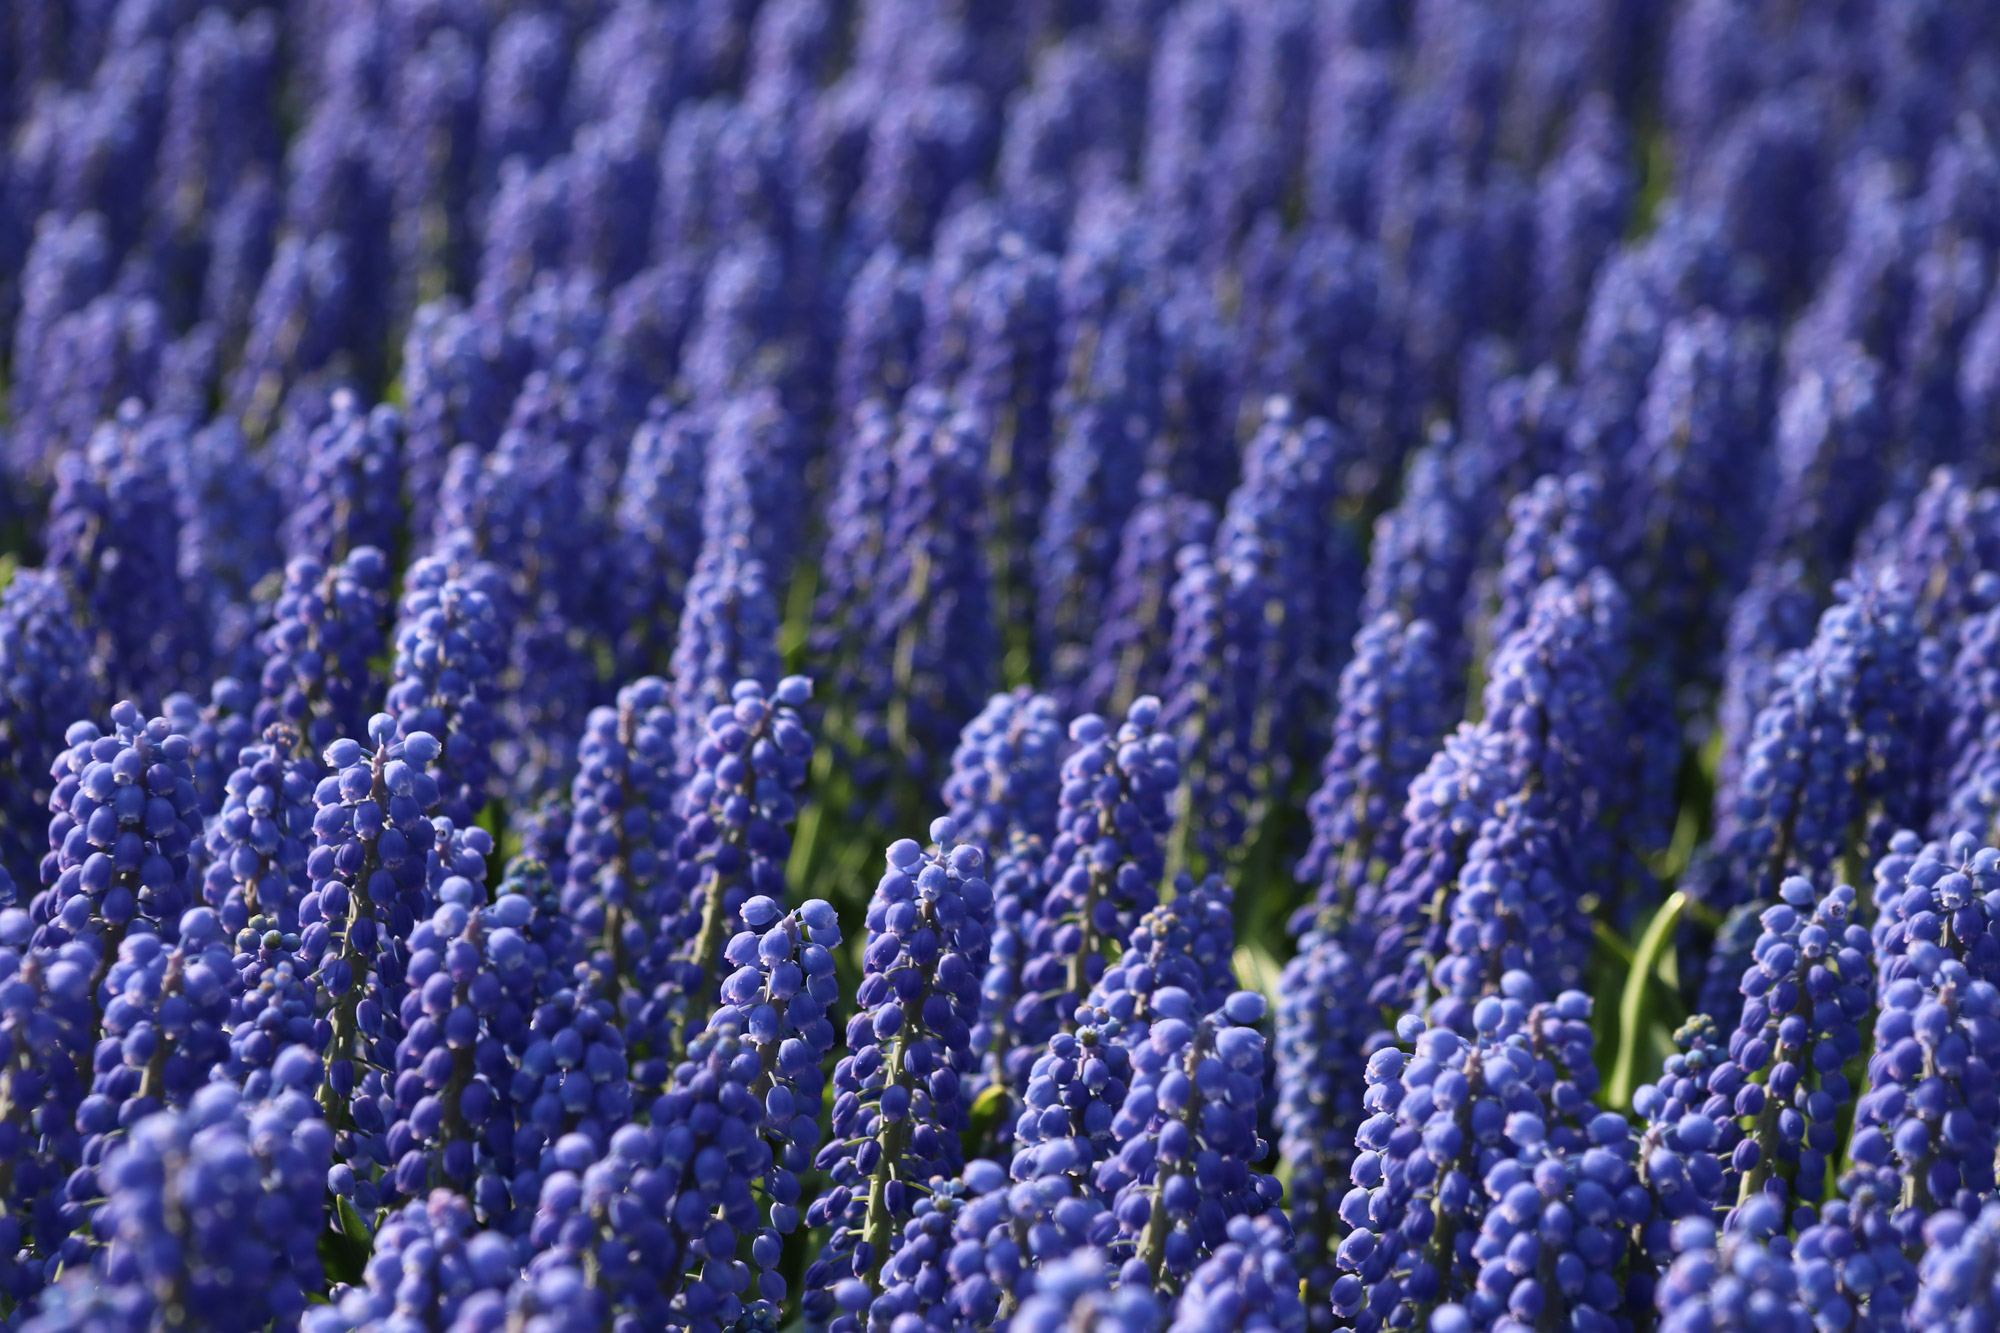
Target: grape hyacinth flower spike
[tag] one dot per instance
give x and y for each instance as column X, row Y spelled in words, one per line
column 899, row 1103
column 1929, row 1108
column 369, row 885
column 46, row 665
column 430, row 1264
column 450, row 643
column 1803, row 998
column 123, row 822
column 1483, row 1139
column 257, row 846
column 737, row 811
column 1103, row 871
column 780, row 997
column 1187, row 1138
column 622, row 883
column 1740, row 1281
column 179, row 1190
column 327, row 626
column 1248, row 1284
column 473, row 975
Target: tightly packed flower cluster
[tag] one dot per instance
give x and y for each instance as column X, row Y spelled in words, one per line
column 1429, row 573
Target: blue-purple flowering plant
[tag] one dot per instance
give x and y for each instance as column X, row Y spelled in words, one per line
column 1406, row 556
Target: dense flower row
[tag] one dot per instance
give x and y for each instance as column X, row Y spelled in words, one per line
column 1431, row 574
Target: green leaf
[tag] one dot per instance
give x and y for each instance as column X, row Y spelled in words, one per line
column 345, row 1245
column 1613, row 943
column 1257, row 970
column 987, row 1108
column 351, row 1223
column 1635, row 1007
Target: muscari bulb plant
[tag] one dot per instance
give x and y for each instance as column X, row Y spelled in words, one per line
column 1264, row 665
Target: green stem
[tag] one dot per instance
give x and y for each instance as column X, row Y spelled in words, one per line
column 360, row 907
column 1440, row 1248
column 707, row 953
column 453, row 1092
column 904, row 662
column 879, row 1224
column 614, row 913
column 1764, row 1128
column 1153, row 1240
column 1078, row 976
column 614, row 948
column 1916, row 1175
column 1180, row 845
column 114, row 936
column 153, row 1082
column 346, row 1034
